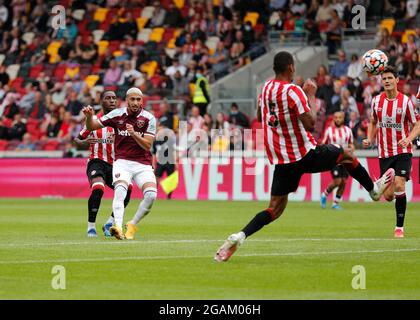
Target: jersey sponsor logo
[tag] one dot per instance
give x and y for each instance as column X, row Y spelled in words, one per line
column 390, row 125
column 126, row 134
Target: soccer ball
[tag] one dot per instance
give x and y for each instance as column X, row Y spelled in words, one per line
column 374, row 62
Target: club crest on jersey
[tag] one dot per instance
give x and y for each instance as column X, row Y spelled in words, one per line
column 141, row 123
column 117, row 175
column 399, row 110
column 120, row 121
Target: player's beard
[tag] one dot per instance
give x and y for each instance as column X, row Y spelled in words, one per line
column 338, row 125
column 135, row 112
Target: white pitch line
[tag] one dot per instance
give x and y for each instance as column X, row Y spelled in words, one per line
column 113, row 242
column 274, row 254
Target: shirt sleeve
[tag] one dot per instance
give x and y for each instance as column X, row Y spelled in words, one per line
column 84, row 133
column 373, row 110
column 151, row 127
column 299, row 99
column 412, row 114
column 108, row 120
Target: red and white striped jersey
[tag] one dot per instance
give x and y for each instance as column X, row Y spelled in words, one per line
column 103, row 149
column 285, row 138
column 394, row 118
column 418, row 94
column 342, row 136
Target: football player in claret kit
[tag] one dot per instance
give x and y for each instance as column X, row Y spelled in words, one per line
column 287, row 118
column 99, row 167
column 337, row 133
column 135, row 129
column 395, row 123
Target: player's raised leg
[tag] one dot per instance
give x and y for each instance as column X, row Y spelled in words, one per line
column 324, row 195
column 149, row 189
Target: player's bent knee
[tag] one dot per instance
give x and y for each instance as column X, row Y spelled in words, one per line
column 149, row 197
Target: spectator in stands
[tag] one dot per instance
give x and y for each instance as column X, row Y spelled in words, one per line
column 4, row 131
column 407, row 91
column 340, row 68
column 326, row 92
column 18, row 128
column 176, row 66
column 74, row 106
column 4, row 12
column 372, row 89
column 201, row 95
column 235, row 55
column 185, row 55
column 167, row 116
column 324, row 12
column 299, row 81
column 221, row 123
column 53, row 127
column 130, row 76
column 410, row 64
column 26, row 103
column 278, row 4
column 65, row 128
column 219, row 60
column 348, row 103
column 334, row 32
column 113, row 74
column 89, row 51
column 237, row 118
column 299, row 7
column 320, row 75
column 180, row 85
column 64, row 50
column 173, row 18
column 353, row 122
column 4, row 76
column 158, row 15
column 355, row 70
column 313, row 10
column 26, row 144
column 208, row 120
column 39, row 107
column 196, row 120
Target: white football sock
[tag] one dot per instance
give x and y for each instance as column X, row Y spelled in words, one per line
column 110, row 220
column 91, row 225
column 149, row 195
column 120, row 192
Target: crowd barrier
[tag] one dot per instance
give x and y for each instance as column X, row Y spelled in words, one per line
column 215, row 179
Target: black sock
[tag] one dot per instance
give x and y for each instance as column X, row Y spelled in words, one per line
column 260, row 220
column 127, row 197
column 94, row 203
column 360, row 174
column 400, row 207
column 328, row 190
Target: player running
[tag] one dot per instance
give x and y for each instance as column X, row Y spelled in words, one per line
column 135, row 129
column 337, row 133
column 287, row 119
column 393, row 114
column 99, row 166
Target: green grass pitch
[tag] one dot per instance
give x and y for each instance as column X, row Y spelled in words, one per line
column 308, row 253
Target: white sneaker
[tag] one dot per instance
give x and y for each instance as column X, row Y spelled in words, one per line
column 381, row 184
column 229, row 247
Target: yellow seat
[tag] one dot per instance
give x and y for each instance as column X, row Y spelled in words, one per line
column 100, row 14
column 72, row 72
column 171, row 44
column 117, row 53
column 91, row 80
column 179, row 3
column 102, row 45
column 388, row 24
column 149, row 67
column 157, row 34
column 141, row 22
column 406, row 33
column 52, row 51
column 216, row 3
column 252, row 17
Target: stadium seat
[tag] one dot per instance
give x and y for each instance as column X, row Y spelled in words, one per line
column 388, row 24
column 51, row 145
column 149, row 67
column 406, row 33
column 12, row 71
column 91, row 80
column 28, row 37
column 147, row 12
column 72, row 71
column 171, row 44
column 157, row 34
column 3, row 145
column 136, row 13
column 144, row 34
column 97, row 35
column 59, row 72
column 170, row 52
column 252, row 17
column 179, row 3
column 85, row 70
column 78, row 14
column 102, row 45
column 49, row 70
column 100, row 14
column 52, row 50
column 17, row 83
column 141, row 22
column 35, row 71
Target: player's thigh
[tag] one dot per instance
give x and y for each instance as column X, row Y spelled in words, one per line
column 323, row 158
column 108, row 176
column 121, row 173
column 286, row 179
column 399, row 183
column 95, row 171
column 144, row 174
column 402, row 166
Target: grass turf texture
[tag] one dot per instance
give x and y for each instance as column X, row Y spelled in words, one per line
column 307, row 254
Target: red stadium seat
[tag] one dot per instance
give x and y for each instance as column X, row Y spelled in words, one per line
column 3, row 144
column 35, row 71
column 136, row 12
column 59, row 72
column 17, row 83
column 51, row 145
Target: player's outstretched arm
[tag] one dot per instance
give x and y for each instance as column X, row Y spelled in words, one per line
column 91, row 124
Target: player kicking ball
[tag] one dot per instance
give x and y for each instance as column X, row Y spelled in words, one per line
column 99, row 167
column 135, row 129
column 337, row 133
column 393, row 115
column 288, row 114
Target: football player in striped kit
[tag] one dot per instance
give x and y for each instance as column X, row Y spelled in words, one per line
column 340, row 134
column 99, row 167
column 396, row 123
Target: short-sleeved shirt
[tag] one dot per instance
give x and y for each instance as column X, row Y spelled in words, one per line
column 125, row 146
column 394, row 118
column 285, row 138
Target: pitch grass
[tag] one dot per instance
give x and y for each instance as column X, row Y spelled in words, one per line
column 308, row 253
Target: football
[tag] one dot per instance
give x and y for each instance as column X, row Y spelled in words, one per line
column 374, row 62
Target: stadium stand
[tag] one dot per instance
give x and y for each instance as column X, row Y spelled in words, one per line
column 47, row 74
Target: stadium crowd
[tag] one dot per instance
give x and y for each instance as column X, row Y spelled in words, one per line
column 172, row 49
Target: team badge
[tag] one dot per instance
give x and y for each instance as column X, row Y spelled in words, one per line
column 120, row 122
column 140, row 123
column 117, row 175
column 399, row 110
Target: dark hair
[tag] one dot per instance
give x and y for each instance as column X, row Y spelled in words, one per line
column 391, row 69
column 282, row 60
column 102, row 96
